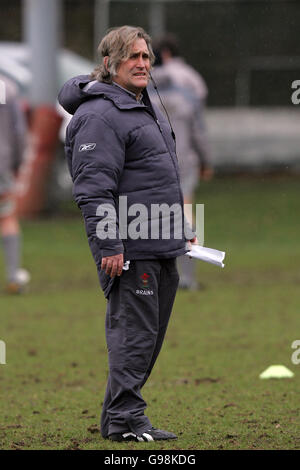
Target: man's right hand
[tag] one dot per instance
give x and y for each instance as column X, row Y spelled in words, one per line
column 113, row 265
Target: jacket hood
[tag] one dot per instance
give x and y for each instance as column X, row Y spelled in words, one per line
column 73, row 94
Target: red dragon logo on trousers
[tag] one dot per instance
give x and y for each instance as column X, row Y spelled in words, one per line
column 144, row 278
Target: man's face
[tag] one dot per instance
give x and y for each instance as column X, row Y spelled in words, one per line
column 133, row 73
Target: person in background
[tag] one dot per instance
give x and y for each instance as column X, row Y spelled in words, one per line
column 12, row 138
column 183, row 94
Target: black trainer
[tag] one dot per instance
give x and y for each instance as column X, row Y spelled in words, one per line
column 152, row 434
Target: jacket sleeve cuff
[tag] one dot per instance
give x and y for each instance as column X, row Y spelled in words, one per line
column 114, row 250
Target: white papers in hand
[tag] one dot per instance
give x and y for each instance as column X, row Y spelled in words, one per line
column 207, row 254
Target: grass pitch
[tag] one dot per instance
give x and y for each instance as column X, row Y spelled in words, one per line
column 205, row 386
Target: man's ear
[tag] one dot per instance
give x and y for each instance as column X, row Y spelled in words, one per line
column 106, row 62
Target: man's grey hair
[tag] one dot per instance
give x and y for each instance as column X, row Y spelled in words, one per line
column 116, row 45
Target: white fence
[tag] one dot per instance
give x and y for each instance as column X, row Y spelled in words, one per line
column 254, row 138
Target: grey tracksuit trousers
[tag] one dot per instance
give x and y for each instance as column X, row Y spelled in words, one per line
column 138, row 311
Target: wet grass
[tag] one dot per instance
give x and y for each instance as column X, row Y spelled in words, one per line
column 205, row 386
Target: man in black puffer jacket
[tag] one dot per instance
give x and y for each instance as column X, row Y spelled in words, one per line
column 121, row 156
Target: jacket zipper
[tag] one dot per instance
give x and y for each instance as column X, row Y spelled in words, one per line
column 158, row 123
column 170, row 153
